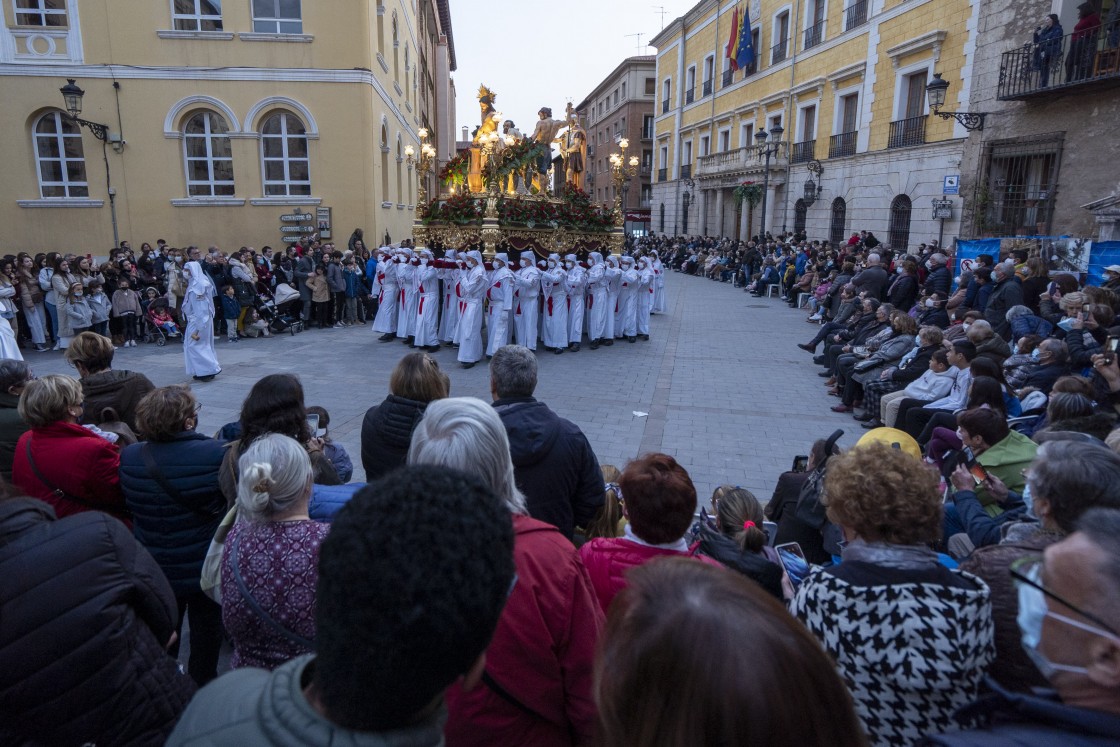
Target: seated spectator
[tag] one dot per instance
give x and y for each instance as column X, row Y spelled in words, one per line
column 91, row 355
column 913, row 414
column 893, row 378
column 273, row 538
column 959, row 329
column 737, row 539
column 539, row 664
column 935, row 382
column 395, row 627
column 741, row 657
column 1023, row 322
column 86, row 616
column 1022, row 363
column 868, row 368
column 1068, row 603
column 932, row 311
column 999, row 450
column 988, row 343
column 659, row 501
column 1075, row 412
column 14, row 376
column 782, row 509
column 871, row 322
column 170, row 484
column 848, row 311
column 1088, row 334
column 335, row 453
column 1053, row 364
column 387, row 428
column 61, row 462
column 910, row 637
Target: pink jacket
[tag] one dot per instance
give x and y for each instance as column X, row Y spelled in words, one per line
column 609, row 560
column 542, row 653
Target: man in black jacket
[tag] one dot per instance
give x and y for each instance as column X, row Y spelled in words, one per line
column 939, row 280
column 872, row 278
column 553, row 462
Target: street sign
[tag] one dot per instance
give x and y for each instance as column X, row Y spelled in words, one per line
column 290, row 238
column 942, row 209
column 951, row 184
column 300, row 230
column 296, row 217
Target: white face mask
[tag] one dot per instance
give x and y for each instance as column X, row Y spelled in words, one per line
column 570, row 265
column 898, row 269
column 929, row 303
column 423, row 262
column 552, row 264
column 526, row 263
column 966, row 325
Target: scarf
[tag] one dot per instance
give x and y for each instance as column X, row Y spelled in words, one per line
column 902, row 557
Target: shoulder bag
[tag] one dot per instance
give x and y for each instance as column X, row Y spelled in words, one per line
column 119, row 512
column 255, row 605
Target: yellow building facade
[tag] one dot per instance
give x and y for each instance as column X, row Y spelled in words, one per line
column 845, row 80
column 244, row 122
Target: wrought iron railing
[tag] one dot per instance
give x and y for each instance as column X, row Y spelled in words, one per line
column 855, row 14
column 665, row 106
column 841, row 145
column 1071, row 60
column 728, row 77
column 662, row 174
column 707, row 88
column 686, row 171
column 907, row 132
column 814, row 35
column 803, row 151
column 690, row 95
column 779, row 51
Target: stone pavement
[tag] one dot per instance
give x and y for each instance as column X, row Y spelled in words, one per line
column 721, row 385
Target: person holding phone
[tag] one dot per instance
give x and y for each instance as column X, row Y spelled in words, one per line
column 911, row 637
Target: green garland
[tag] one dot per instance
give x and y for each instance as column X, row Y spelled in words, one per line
column 749, row 192
column 456, row 170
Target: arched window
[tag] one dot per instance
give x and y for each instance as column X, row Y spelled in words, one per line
column 284, row 156
column 59, row 157
column 900, row 223
column 839, row 218
column 208, row 159
column 800, row 213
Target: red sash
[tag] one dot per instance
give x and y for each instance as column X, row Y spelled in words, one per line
column 590, row 300
column 550, row 305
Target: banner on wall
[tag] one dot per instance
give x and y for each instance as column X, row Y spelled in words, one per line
column 1102, row 254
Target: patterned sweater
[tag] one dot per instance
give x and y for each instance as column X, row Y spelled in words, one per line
column 910, row 653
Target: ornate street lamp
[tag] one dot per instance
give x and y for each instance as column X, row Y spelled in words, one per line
column 72, row 97
column 813, row 190
column 622, row 171
column 767, row 147
column 935, row 93
column 423, row 166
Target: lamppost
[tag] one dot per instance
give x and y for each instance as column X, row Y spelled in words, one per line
column 622, row 171
column 935, row 93
column 765, row 151
column 423, row 166
column 686, row 198
column 813, row 190
column 72, row 96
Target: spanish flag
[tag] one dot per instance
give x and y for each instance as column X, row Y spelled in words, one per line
column 733, row 42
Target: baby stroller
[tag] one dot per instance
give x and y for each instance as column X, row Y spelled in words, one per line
column 153, row 331
column 282, row 310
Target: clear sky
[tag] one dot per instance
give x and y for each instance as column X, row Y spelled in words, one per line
column 534, row 54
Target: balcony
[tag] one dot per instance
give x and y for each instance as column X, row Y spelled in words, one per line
column 739, row 163
column 842, row 145
column 647, row 133
column 663, row 174
column 803, row 151
column 814, row 35
column 779, row 52
column 665, row 106
column 686, row 171
column 751, row 68
column 1060, row 65
column 690, row 95
column 646, row 170
column 855, row 14
column 707, row 88
column 728, row 78
column 907, row 132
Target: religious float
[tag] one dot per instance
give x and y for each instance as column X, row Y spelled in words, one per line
column 508, row 193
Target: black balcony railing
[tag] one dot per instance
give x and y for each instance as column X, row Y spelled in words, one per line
column 1072, row 60
column 690, row 95
column 686, row 171
column 814, row 35
column 803, row 151
column 728, row 76
column 751, row 68
column 907, row 132
column 647, row 133
column 708, row 88
column 645, row 171
column 779, row 51
column 665, row 106
column 841, row 145
column 662, row 174
column 855, row 14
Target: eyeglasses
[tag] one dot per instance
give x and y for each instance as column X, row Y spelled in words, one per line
column 1026, row 571
column 197, row 407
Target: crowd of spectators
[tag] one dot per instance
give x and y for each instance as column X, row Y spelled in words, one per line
column 494, row 584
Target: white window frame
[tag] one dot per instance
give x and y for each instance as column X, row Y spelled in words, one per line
column 287, row 182
column 838, row 109
column 746, row 133
column 196, row 18
column 705, row 145
column 271, row 24
column 667, row 89
column 37, row 8
column 900, row 76
column 724, row 140
column 774, row 26
column 623, row 90
column 69, row 187
column 809, row 23
column 815, row 104
column 710, row 69
column 686, row 152
column 690, row 81
column 663, row 157
column 211, row 184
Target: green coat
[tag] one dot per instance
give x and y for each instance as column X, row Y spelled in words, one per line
column 1006, row 460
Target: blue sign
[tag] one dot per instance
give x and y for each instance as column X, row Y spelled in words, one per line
column 951, row 184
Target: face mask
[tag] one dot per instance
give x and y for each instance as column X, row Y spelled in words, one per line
column 1015, row 349
column 918, row 340
column 929, row 265
column 929, row 303
column 957, row 280
column 570, row 265
column 79, row 294
column 1036, row 354
column 552, row 264
column 423, row 263
column 1066, row 324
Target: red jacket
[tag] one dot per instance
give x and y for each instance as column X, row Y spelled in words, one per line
column 75, row 460
column 609, row 560
column 542, row 652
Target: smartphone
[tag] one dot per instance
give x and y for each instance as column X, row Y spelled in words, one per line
column 1051, row 288
column 1111, row 347
column 793, row 560
column 979, row 474
column 1085, row 309
column 313, row 424
column 800, row 463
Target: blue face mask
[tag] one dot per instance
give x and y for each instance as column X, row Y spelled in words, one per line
column 918, row 340
column 1036, row 354
column 1029, row 501
column 1066, row 324
column 1015, row 349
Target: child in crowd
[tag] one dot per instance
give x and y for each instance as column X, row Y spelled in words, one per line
column 147, row 298
column 99, row 306
column 320, row 296
column 78, row 310
column 161, row 317
column 354, row 290
column 255, row 326
column 334, row 453
column 126, row 307
column 231, row 310
column 610, row 520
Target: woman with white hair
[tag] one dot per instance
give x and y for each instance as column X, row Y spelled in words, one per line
column 537, row 684
column 273, row 540
column 426, row 278
column 500, row 298
column 473, row 287
column 554, row 329
column 198, row 307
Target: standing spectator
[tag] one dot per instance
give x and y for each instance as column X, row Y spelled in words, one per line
column 87, row 614
column 31, row 301
column 555, row 465
column 170, row 483
column 231, row 312
column 1083, row 43
column 304, row 268
column 91, row 355
column 14, row 376
column 1048, row 48
column 126, row 307
column 62, row 281
column 320, row 297
column 336, row 283
column 910, row 637
column 539, row 665
column 695, row 655
column 100, row 307
column 1006, row 292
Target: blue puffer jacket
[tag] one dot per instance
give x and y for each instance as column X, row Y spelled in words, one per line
column 177, row 534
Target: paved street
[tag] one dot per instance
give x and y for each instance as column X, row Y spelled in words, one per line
column 721, row 385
